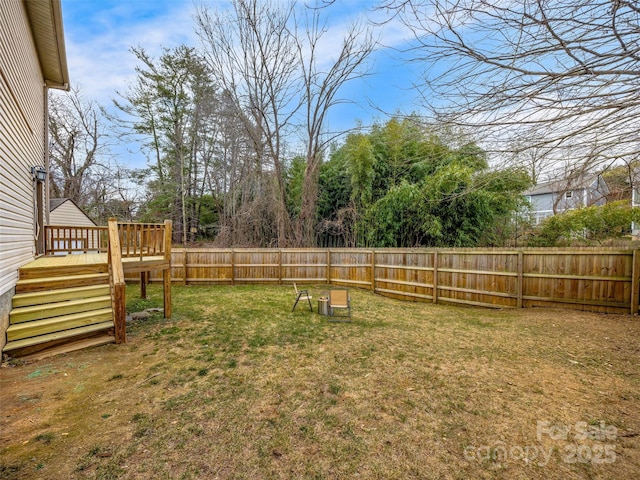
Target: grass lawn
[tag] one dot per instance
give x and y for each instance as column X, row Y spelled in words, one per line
column 237, row 386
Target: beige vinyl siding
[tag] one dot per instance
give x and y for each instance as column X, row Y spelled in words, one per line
column 20, row 62
column 69, row 214
column 22, row 134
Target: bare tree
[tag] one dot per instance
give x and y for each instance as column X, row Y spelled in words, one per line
column 562, row 75
column 236, row 181
column 82, row 166
column 76, row 142
column 115, row 195
column 253, row 58
column 321, row 82
column 269, row 58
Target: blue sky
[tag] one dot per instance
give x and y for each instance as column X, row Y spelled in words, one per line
column 99, row 35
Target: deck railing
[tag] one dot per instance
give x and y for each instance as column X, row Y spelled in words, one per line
column 64, row 239
column 142, row 239
column 136, row 239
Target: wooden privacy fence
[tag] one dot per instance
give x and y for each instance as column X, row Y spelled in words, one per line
column 594, row 279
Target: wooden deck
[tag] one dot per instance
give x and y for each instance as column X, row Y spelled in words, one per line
column 92, row 260
column 49, row 261
column 75, row 295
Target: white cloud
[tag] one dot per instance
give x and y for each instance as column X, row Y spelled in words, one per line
column 100, row 34
column 98, row 41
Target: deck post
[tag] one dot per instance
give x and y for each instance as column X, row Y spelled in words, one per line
column 166, row 273
column 118, row 285
column 119, row 312
column 143, row 284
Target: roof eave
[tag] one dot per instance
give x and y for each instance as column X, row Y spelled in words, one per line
column 45, row 18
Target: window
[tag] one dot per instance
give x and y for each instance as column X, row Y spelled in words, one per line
column 568, row 194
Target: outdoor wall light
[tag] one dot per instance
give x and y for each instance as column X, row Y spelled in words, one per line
column 39, row 173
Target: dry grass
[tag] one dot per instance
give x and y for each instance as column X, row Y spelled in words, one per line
column 236, row 386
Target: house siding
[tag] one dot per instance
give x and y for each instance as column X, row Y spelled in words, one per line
column 22, row 145
column 546, row 202
column 578, row 199
column 542, row 205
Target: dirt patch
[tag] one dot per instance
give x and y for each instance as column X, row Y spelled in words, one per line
column 236, row 386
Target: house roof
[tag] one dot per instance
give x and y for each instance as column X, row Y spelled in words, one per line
column 45, row 18
column 557, row 186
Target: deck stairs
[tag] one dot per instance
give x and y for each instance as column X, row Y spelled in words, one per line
column 59, row 309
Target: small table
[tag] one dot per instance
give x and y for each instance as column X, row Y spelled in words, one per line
column 323, row 305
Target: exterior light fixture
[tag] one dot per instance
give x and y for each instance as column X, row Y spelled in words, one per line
column 39, row 173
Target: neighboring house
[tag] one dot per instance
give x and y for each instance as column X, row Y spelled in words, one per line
column 557, row 196
column 64, row 211
column 32, row 60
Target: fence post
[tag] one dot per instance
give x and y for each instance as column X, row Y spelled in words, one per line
column 520, row 285
column 635, row 282
column 373, row 270
column 184, row 266
column 279, row 266
column 328, row 266
column 166, row 273
column 435, row 276
column 233, row 267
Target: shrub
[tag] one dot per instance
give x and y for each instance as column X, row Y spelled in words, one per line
column 587, row 225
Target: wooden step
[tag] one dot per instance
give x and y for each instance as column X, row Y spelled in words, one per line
column 51, row 337
column 56, row 266
column 55, row 271
column 50, row 296
column 49, row 349
column 68, row 307
column 47, row 326
column 69, row 281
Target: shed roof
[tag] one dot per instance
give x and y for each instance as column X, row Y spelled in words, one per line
column 56, row 202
